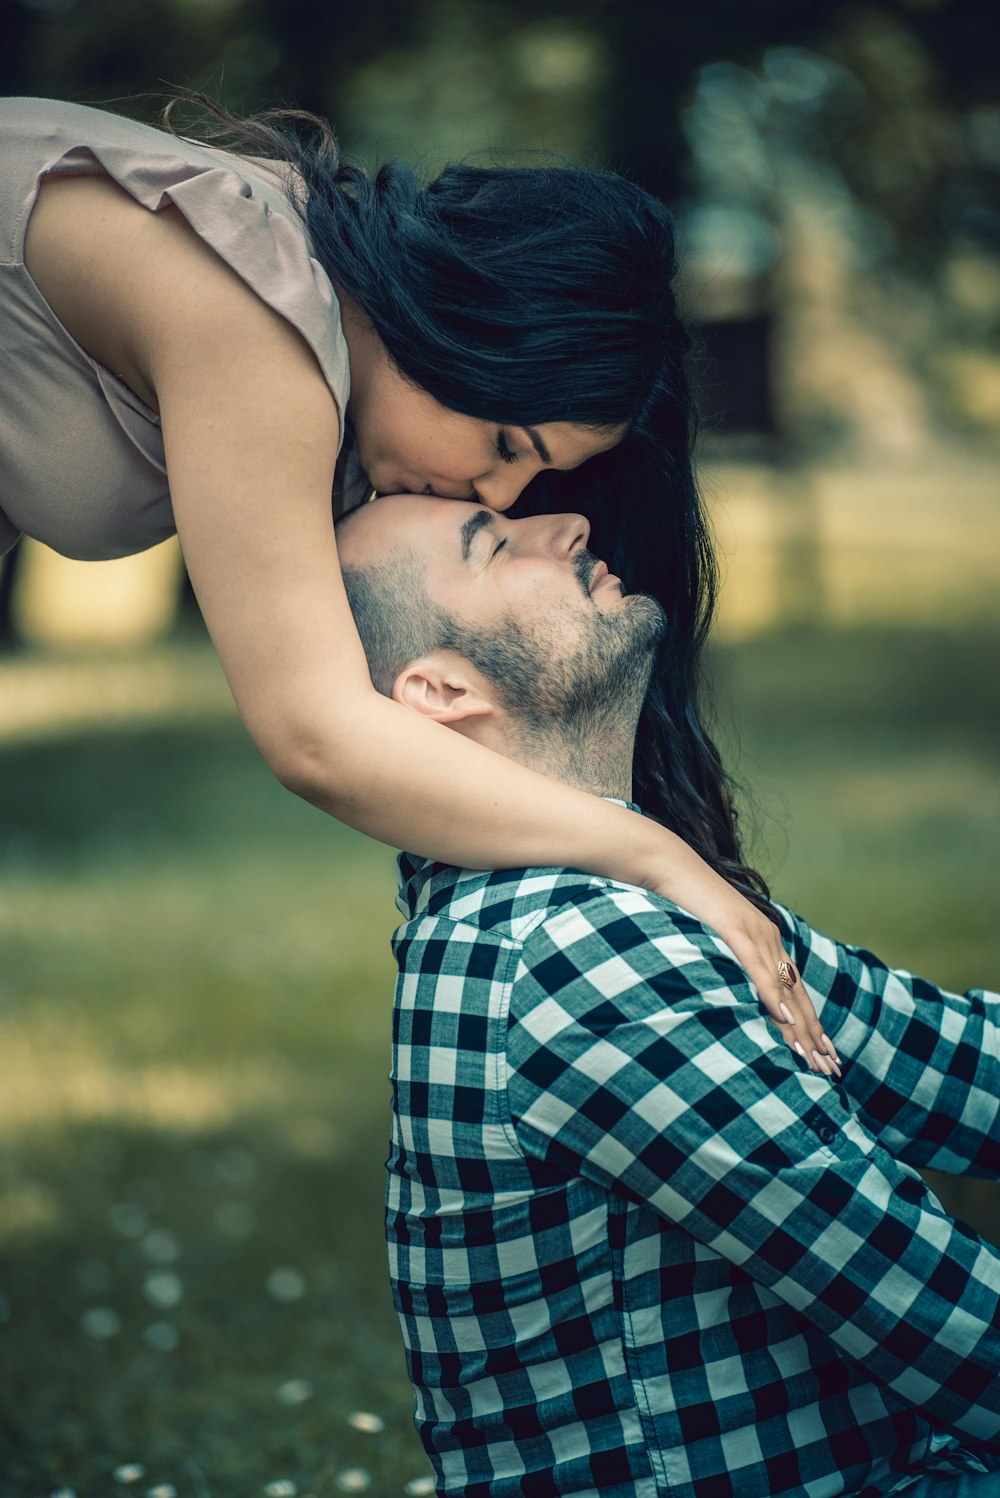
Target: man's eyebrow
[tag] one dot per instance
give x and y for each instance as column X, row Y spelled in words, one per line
column 538, row 444
column 472, row 527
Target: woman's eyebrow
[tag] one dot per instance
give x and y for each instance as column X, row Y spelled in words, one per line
column 472, row 527
column 538, row 444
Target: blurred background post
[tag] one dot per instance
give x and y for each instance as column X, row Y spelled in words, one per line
column 194, row 980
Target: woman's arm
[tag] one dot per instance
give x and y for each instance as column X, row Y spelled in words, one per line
column 251, row 433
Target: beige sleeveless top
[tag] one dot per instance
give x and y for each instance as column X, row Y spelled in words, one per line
column 81, row 456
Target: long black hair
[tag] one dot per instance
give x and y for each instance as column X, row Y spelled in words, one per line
column 533, row 294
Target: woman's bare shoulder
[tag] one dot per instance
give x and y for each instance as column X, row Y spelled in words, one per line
column 129, row 284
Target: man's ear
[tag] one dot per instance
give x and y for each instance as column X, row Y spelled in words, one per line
column 443, row 686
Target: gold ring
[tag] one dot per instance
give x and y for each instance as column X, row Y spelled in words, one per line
column 372, row 495
column 787, row 974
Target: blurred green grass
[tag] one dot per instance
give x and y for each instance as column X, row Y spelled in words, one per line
column 195, row 1000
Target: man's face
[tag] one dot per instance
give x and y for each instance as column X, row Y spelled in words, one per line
column 553, row 628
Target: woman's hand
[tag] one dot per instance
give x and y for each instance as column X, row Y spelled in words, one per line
column 756, row 944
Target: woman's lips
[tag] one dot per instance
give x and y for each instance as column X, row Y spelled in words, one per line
column 438, row 494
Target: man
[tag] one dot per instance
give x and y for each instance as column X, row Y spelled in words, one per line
column 637, row 1247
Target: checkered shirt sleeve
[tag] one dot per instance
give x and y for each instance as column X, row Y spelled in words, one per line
column 638, row 1058
column 923, row 1062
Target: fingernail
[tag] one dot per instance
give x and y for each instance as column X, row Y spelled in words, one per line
column 786, row 1012
column 800, row 1050
column 821, row 1063
column 831, row 1051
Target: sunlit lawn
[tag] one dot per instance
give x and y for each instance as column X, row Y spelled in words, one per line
column 196, row 991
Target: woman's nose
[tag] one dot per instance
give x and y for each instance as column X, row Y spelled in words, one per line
column 499, row 491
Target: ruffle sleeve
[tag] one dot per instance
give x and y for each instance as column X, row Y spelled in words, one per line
column 239, row 207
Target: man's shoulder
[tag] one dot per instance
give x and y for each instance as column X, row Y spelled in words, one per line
column 507, row 903
column 625, row 933
column 521, row 905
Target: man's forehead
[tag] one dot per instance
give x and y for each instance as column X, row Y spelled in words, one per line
column 423, row 525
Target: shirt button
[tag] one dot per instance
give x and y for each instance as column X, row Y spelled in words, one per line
column 827, row 1134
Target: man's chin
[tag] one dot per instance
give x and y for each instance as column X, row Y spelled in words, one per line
column 644, row 608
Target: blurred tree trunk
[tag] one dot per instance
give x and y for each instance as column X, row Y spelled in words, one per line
column 17, row 28
column 8, row 566
column 655, row 52
column 321, row 44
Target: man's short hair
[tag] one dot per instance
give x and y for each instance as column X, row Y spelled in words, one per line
column 394, row 615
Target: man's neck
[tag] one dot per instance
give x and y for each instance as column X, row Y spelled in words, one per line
column 598, row 761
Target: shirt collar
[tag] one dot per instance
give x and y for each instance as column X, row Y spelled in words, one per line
column 426, row 887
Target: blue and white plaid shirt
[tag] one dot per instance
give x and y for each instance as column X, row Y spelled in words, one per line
column 636, row 1248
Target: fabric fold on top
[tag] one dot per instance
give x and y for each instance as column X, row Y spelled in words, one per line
column 67, row 476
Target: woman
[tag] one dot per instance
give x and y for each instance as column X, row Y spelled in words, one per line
column 189, row 334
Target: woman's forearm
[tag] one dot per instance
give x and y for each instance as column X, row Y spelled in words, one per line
column 415, row 784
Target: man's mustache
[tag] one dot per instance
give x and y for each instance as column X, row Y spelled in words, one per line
column 585, row 564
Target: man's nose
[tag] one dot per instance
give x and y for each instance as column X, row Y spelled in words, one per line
column 558, row 535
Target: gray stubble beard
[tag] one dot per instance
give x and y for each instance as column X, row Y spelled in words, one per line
column 574, row 716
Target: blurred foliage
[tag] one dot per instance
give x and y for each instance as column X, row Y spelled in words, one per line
column 878, row 118
column 898, row 99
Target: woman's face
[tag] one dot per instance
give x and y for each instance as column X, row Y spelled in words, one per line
column 409, row 443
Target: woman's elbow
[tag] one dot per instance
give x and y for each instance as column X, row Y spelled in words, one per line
column 307, row 772
column 319, row 763
column 299, row 775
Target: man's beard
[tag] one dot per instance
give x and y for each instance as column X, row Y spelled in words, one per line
column 573, row 691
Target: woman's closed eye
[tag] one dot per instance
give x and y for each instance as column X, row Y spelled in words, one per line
column 504, row 452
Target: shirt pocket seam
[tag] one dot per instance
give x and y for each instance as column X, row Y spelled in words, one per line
column 500, row 1019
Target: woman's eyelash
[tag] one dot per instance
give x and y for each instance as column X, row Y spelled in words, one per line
column 500, row 547
column 504, row 451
